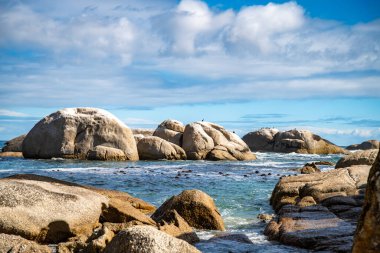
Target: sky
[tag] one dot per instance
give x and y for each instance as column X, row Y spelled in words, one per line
column 242, row 64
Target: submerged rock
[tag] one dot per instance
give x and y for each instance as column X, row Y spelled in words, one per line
column 73, row 132
column 366, row 157
column 196, row 207
column 149, row 240
column 171, row 131
column 299, row 141
column 204, row 140
column 367, row 236
column 365, row 145
column 14, row 145
column 155, row 148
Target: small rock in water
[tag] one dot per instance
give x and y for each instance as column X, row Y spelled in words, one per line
column 220, row 173
column 265, row 216
column 257, row 172
column 279, row 175
column 263, row 175
column 269, row 174
column 245, row 175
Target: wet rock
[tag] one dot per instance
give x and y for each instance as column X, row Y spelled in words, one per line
column 204, row 140
column 367, row 236
column 14, row 145
column 241, row 238
column 155, row 148
column 265, row 216
column 73, row 132
column 147, row 239
column 17, row 244
column 366, row 157
column 370, row 144
column 196, row 207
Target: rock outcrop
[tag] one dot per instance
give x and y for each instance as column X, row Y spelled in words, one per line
column 171, row 130
column 49, row 210
column 367, row 236
column 299, row 141
column 370, row 144
column 155, row 148
column 17, row 244
column 74, row 132
column 149, row 240
column 14, row 145
column 318, row 211
column 11, row 154
column 204, row 140
column 195, row 207
column 366, row 157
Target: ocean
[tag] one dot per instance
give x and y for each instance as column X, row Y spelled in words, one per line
column 241, row 189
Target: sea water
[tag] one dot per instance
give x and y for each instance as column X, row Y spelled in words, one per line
column 241, row 189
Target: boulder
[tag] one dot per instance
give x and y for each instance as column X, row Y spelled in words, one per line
column 261, row 140
column 11, row 154
column 366, row 157
column 370, row 144
column 104, row 153
column 318, row 211
column 155, row 148
column 14, row 145
column 310, row 168
column 149, row 240
column 173, row 224
column 17, row 244
column 73, row 132
column 170, row 130
column 240, row 238
column 48, row 212
column 299, row 141
column 196, row 207
column 303, row 141
column 204, row 140
column 367, row 236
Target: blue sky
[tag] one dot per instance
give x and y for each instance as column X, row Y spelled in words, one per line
column 244, row 64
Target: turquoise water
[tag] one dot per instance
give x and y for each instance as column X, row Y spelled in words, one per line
column 241, row 190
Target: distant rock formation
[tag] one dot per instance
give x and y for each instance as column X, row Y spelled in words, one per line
column 170, row 130
column 367, row 236
column 142, row 131
column 204, row 140
column 155, row 148
column 370, row 144
column 363, row 157
column 74, row 132
column 298, row 141
column 14, row 145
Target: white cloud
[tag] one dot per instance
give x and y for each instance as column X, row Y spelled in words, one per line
column 4, row 112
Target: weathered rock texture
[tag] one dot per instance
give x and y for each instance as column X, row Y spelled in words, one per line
column 367, row 236
column 170, row 130
column 147, row 239
column 73, row 132
column 299, row 141
column 155, row 148
column 318, row 211
column 370, row 144
column 46, row 212
column 366, row 157
column 196, row 207
column 204, row 140
column 14, row 145
column 17, row 244
column 144, row 132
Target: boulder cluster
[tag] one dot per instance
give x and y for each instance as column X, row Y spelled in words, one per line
column 95, row 134
column 43, row 214
column 320, row 210
column 298, row 141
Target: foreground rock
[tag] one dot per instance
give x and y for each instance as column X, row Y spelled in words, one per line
column 171, row 130
column 155, row 148
column 367, row 237
column 17, row 244
column 204, row 140
column 74, row 132
column 370, row 144
column 366, row 157
column 318, row 211
column 299, row 141
column 196, row 207
column 149, row 240
column 14, row 145
column 51, row 211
